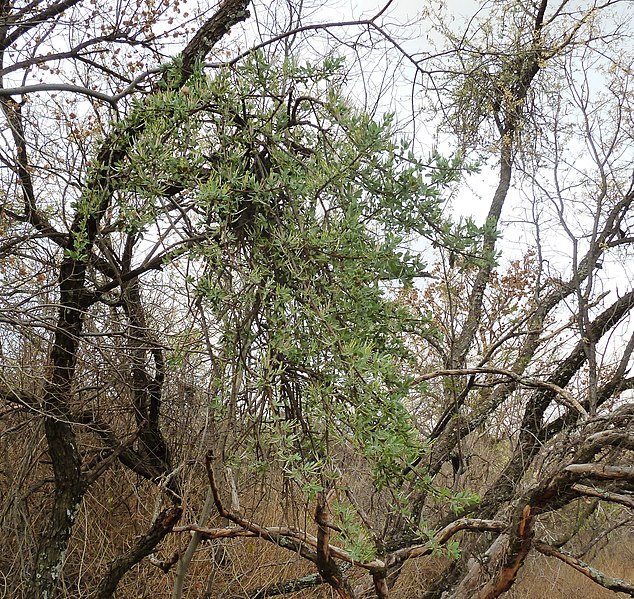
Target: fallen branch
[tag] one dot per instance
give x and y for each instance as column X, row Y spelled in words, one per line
column 613, row 584
column 294, row 585
column 284, row 588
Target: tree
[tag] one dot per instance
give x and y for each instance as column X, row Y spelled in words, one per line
column 287, row 205
column 79, row 226
column 539, row 358
column 207, row 285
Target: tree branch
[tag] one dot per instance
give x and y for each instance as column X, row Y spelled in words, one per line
column 142, row 548
column 614, row 584
column 602, row 471
column 625, row 500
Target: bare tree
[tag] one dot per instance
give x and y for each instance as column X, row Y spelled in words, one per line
column 534, row 354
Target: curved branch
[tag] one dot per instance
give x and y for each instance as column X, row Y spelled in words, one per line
column 59, row 87
column 566, row 397
column 468, row 524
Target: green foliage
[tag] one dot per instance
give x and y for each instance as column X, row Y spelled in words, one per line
column 301, row 209
column 353, row 534
column 457, row 502
column 453, row 550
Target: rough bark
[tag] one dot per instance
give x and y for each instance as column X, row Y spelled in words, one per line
column 74, row 300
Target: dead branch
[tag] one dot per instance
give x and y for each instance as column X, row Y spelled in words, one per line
column 613, row 584
column 602, row 471
column 565, row 397
column 604, row 495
